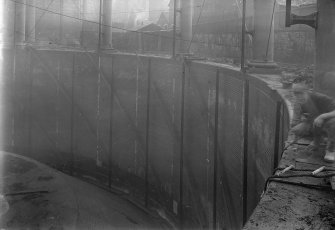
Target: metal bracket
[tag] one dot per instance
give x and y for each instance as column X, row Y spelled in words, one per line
column 310, row 20
column 293, row 19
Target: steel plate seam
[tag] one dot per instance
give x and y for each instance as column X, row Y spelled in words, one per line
column 245, row 149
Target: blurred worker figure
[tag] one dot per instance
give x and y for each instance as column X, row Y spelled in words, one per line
column 317, row 118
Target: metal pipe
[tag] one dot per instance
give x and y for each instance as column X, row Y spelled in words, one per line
column 30, row 31
column 325, row 49
column 20, row 17
column 174, row 28
column 14, row 34
column 99, row 30
column 61, row 21
column 83, row 16
column 270, row 31
column 262, row 42
column 243, row 37
column 186, row 24
column 288, row 13
column 107, row 23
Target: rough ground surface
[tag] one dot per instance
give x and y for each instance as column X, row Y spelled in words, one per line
column 34, row 196
column 286, row 206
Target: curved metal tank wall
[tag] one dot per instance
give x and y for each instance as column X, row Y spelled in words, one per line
column 197, row 140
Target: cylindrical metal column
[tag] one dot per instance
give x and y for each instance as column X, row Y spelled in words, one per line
column 20, row 17
column 30, row 21
column 244, row 3
column 325, row 48
column 84, row 7
column 174, row 23
column 263, row 37
column 61, row 22
column 107, row 23
column 186, row 24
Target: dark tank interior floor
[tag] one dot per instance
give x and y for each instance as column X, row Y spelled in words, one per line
column 35, row 196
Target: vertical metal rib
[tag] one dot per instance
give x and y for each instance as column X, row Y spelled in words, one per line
column 147, row 136
column 217, row 91
column 245, row 149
